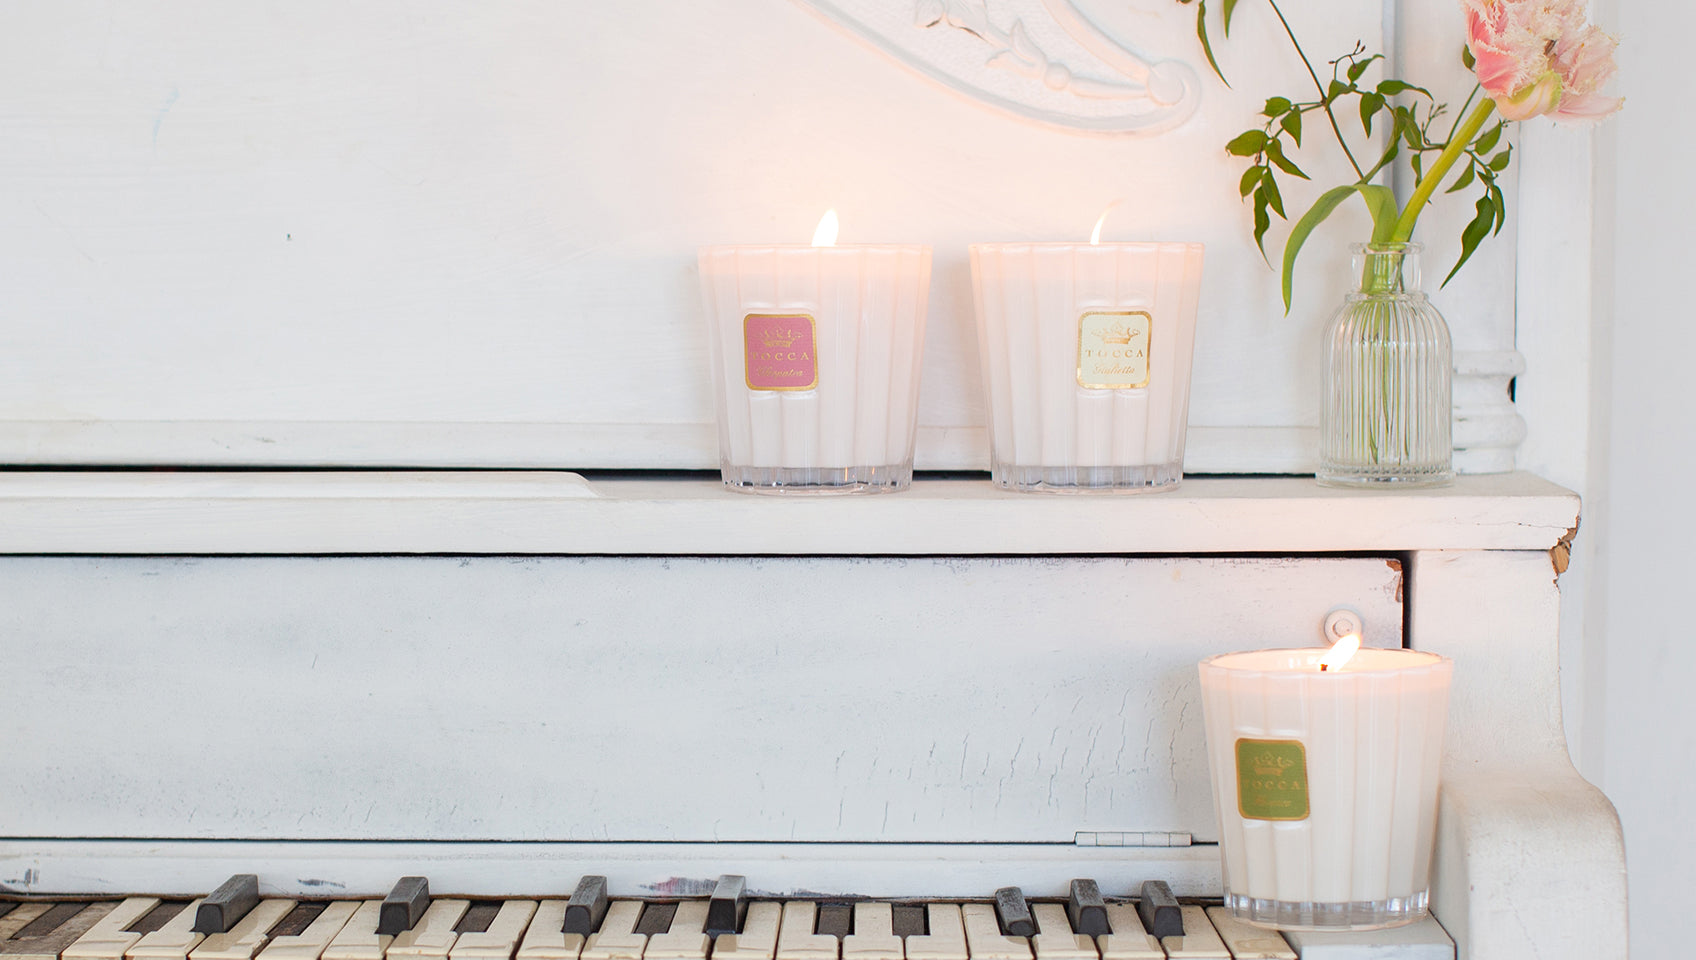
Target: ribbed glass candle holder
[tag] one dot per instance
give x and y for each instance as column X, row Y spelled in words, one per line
column 815, row 357
column 1385, row 401
column 1086, row 352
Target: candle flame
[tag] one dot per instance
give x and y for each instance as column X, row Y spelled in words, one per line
column 1095, row 238
column 825, row 235
column 1340, row 653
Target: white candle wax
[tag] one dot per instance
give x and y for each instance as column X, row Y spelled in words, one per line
column 1326, row 783
column 1086, row 352
column 815, row 357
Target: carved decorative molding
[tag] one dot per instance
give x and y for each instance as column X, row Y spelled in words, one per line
column 1044, row 60
column 1487, row 428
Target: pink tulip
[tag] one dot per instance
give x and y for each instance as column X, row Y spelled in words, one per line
column 1541, row 56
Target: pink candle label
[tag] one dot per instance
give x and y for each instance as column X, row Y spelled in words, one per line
column 778, row 351
column 1113, row 349
column 1271, row 779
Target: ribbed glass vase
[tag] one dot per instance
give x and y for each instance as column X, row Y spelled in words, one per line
column 1385, row 393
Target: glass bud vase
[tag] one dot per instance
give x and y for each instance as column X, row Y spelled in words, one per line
column 1385, row 390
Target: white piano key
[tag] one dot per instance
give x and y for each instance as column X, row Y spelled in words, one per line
column 71, row 922
column 796, row 939
column 1055, row 939
column 984, row 937
column 359, row 939
column 1247, row 941
column 544, row 940
column 687, row 938
column 107, row 940
column 1128, row 941
column 1199, row 942
column 758, row 939
column 310, row 944
column 501, row 938
column 1425, row 940
column 432, row 937
column 874, row 934
column 247, row 937
column 617, row 939
column 947, row 937
column 173, row 941
column 21, row 916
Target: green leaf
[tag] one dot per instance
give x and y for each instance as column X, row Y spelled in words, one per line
column 1337, row 89
column 1381, row 203
column 1247, row 144
column 1473, row 234
column 1275, row 153
column 1229, row 8
column 1370, row 104
column 1499, row 162
column 1276, row 106
column 1292, row 125
column 1418, row 167
column 1390, row 88
column 1274, row 198
column 1261, row 222
column 1327, row 204
column 1207, row 47
column 1359, row 66
column 1500, row 204
column 1251, row 179
column 1462, row 181
column 1466, row 57
column 1487, row 141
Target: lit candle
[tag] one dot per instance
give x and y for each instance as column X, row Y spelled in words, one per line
column 1324, row 768
column 1086, row 353
column 815, row 358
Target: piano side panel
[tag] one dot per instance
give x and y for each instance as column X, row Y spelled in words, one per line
column 633, row 698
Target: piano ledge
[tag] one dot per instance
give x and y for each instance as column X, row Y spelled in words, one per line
column 556, row 512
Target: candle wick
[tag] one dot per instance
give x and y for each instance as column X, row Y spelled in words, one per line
column 1324, row 667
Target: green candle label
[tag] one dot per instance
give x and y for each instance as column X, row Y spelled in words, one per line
column 1113, row 349
column 1271, row 779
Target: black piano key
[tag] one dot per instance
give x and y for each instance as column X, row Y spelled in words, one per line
column 6, row 908
column 297, row 920
column 478, row 916
column 1086, row 909
column 404, row 905
column 728, row 903
column 1014, row 913
column 48, row 922
column 226, row 905
column 834, row 920
column 157, row 917
column 656, row 919
column 910, row 920
column 583, row 912
column 1159, row 910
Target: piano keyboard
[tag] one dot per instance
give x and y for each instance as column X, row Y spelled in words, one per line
column 234, row 923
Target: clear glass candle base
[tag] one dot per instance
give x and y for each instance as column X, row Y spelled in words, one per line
column 1356, row 915
column 1124, row 479
column 818, row 480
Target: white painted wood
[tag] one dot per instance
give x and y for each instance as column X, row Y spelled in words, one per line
column 107, row 940
column 247, row 937
column 758, row 939
column 310, row 944
column 1199, row 942
column 617, row 938
column 433, row 936
column 544, row 939
column 359, row 940
column 261, row 513
column 874, row 934
column 1247, row 941
column 175, row 939
column 1520, row 835
column 1055, row 939
column 1424, row 940
column 291, row 233
column 1129, row 940
column 984, row 937
column 796, row 939
column 502, row 936
column 939, row 704
column 685, row 939
column 947, row 937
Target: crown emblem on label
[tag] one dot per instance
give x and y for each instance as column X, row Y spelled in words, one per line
column 1117, row 333
column 777, row 339
column 1268, row 764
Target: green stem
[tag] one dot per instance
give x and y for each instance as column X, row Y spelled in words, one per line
column 1324, row 96
column 1457, row 147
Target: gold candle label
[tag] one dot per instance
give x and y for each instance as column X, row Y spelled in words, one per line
column 1113, row 349
column 1271, row 779
column 780, row 351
